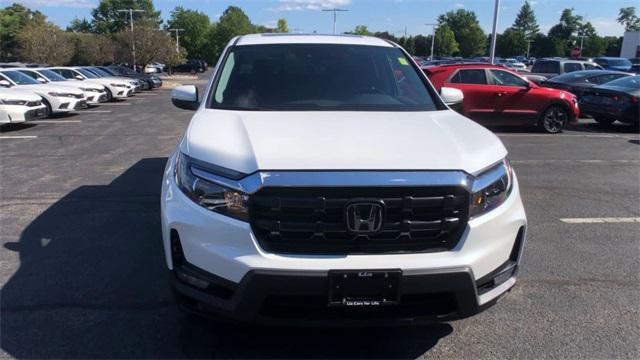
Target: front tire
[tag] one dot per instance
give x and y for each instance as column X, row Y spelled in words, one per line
column 554, row 119
column 49, row 109
column 109, row 95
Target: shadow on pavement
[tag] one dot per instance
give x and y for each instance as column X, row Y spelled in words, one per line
column 615, row 128
column 15, row 127
column 92, row 284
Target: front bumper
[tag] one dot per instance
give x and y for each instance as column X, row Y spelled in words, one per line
column 627, row 114
column 258, row 286
column 22, row 113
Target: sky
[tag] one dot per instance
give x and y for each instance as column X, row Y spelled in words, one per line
column 378, row 15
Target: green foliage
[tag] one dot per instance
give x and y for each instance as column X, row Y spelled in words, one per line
column 194, row 37
column 526, row 21
column 467, row 32
column 422, row 45
column 627, row 17
column 564, row 34
column 92, row 49
column 512, row 42
column 13, row 19
column 107, row 19
column 233, row 22
column 282, row 26
column 542, row 46
column 361, row 30
column 44, row 44
column 80, row 26
column 612, row 46
column 445, row 44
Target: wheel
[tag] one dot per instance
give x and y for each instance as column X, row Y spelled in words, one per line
column 604, row 120
column 554, row 119
column 109, row 95
column 49, row 110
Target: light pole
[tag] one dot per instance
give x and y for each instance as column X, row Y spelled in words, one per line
column 334, row 16
column 133, row 43
column 528, row 47
column 177, row 39
column 492, row 53
column 433, row 38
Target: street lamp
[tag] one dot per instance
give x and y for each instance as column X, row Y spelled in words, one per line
column 528, row 47
column 492, row 54
column 133, row 43
column 433, row 38
column 177, row 39
column 334, row 17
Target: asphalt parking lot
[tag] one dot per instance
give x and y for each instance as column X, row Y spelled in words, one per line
column 82, row 270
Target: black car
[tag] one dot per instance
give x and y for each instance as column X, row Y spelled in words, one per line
column 151, row 81
column 615, row 100
column 191, row 66
column 578, row 81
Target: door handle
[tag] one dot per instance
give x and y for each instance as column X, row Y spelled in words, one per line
column 500, row 93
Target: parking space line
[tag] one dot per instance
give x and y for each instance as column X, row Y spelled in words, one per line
column 19, row 137
column 119, row 103
column 55, row 121
column 601, row 220
column 95, row 111
column 583, row 161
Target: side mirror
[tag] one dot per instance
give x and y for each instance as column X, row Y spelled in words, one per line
column 42, row 80
column 452, row 97
column 185, row 97
column 5, row 83
column 78, row 77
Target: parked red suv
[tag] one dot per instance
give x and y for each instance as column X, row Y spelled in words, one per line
column 494, row 95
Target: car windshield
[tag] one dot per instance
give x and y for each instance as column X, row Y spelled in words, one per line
column 100, row 72
column 87, row 73
column 20, row 78
column 108, row 71
column 630, row 82
column 618, row 62
column 575, row 76
column 303, row 77
column 51, row 75
column 123, row 70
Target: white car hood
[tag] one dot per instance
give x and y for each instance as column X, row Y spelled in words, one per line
column 248, row 141
column 77, row 85
column 15, row 94
column 105, row 81
column 45, row 88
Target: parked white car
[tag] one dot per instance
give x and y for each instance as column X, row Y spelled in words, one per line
column 57, row 99
column 93, row 93
column 20, row 105
column 137, row 84
column 154, row 68
column 323, row 179
column 116, row 89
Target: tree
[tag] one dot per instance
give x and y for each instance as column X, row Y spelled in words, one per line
column 44, row 44
column 612, row 46
column 386, row 35
column 511, row 42
column 422, row 45
column 233, row 22
column 467, row 31
column 151, row 45
column 79, row 26
column 361, row 30
column 543, row 46
column 445, row 43
column 282, row 26
column 93, row 49
column 563, row 33
column 526, row 21
column 107, row 19
column 13, row 19
column 196, row 25
column 627, row 17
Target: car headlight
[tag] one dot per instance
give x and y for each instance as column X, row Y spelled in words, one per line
column 491, row 189
column 89, row 89
column 58, row 94
column 118, row 85
column 12, row 102
column 209, row 195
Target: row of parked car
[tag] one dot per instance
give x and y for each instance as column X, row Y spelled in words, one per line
column 31, row 93
column 495, row 95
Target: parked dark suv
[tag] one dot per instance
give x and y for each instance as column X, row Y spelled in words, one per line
column 191, row 66
column 152, row 81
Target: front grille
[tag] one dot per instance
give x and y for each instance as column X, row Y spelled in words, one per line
column 313, row 220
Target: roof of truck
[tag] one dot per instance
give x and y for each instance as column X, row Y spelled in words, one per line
column 279, row 38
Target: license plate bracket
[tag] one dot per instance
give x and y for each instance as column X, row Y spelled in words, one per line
column 364, row 287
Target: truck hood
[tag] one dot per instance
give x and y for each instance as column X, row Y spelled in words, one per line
column 248, row 141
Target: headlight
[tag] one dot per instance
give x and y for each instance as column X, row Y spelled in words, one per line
column 89, row 89
column 13, row 102
column 212, row 196
column 491, row 189
column 119, row 85
column 52, row 93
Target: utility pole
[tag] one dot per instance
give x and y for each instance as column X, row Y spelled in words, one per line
column 528, row 47
column 133, row 43
column 581, row 42
column 492, row 54
column 334, row 16
column 177, row 39
column 433, row 38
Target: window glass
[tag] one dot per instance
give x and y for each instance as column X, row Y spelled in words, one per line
column 569, row 67
column 588, row 66
column 87, row 73
column 331, row 77
column 505, row 78
column 470, row 76
column 630, row 82
column 605, row 78
column 52, row 75
column 546, row 67
column 19, row 78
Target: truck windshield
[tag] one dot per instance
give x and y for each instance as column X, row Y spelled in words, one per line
column 312, row 77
